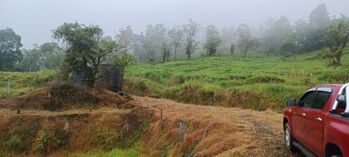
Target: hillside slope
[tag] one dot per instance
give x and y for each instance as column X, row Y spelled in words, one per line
column 247, row 82
column 206, row 130
column 212, row 131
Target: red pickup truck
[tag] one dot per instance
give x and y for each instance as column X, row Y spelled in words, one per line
column 318, row 123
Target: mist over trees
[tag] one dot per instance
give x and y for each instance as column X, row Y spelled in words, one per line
column 161, row 43
column 46, row 56
column 10, row 53
column 213, row 40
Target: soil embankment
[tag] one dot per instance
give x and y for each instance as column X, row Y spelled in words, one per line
column 63, row 123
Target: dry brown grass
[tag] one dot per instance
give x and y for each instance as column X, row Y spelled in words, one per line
column 212, row 131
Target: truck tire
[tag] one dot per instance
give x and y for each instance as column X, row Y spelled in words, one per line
column 333, row 151
column 288, row 138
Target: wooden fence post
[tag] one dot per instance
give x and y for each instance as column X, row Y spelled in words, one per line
column 161, row 122
column 9, row 87
column 181, row 131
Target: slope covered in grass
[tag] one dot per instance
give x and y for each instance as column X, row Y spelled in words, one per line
column 22, row 82
column 247, row 82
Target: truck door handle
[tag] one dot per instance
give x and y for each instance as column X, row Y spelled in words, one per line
column 303, row 114
column 319, row 119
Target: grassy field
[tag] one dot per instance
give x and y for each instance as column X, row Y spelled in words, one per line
column 16, row 83
column 247, row 82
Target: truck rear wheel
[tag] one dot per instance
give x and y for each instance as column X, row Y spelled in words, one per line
column 288, row 138
column 333, row 151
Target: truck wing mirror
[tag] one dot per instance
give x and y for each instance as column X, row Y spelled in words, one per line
column 291, row 102
column 341, row 98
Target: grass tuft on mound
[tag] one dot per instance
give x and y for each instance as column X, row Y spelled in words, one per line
column 63, row 96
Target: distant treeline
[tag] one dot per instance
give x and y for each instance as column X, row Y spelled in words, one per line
column 160, row 44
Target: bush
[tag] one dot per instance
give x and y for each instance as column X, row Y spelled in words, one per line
column 14, row 142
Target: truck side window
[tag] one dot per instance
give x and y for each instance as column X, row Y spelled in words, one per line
column 320, row 100
column 341, row 105
column 307, row 99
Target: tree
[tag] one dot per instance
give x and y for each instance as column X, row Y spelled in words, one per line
column 275, row 34
column 310, row 33
column 154, row 37
column 232, row 48
column 53, row 55
column 336, row 38
column 83, row 53
column 165, row 50
column 30, row 61
column 46, row 56
column 118, row 59
column 190, row 43
column 212, row 40
column 320, row 17
column 289, row 45
column 245, row 41
column 10, row 53
column 176, row 38
column 228, row 36
column 125, row 37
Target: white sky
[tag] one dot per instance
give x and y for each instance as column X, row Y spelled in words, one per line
column 34, row 19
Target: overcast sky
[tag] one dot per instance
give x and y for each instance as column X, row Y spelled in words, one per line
column 34, row 19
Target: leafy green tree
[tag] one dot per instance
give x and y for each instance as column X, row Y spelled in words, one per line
column 10, row 53
column 189, row 31
column 53, row 55
column 276, row 33
column 165, row 50
column 125, row 37
column 30, row 61
column 246, row 42
column 289, row 45
column 310, row 33
column 46, row 56
column 154, row 37
column 83, row 53
column 336, row 38
column 176, row 39
column 320, row 17
column 118, row 59
column 212, row 40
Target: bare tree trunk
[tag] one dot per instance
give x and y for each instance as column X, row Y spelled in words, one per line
column 188, row 52
column 335, row 57
column 245, row 53
column 175, row 52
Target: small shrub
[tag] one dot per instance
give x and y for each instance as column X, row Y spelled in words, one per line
column 177, row 79
column 14, row 142
column 45, row 141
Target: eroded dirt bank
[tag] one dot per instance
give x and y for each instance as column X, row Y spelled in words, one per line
column 56, row 127
column 43, row 133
